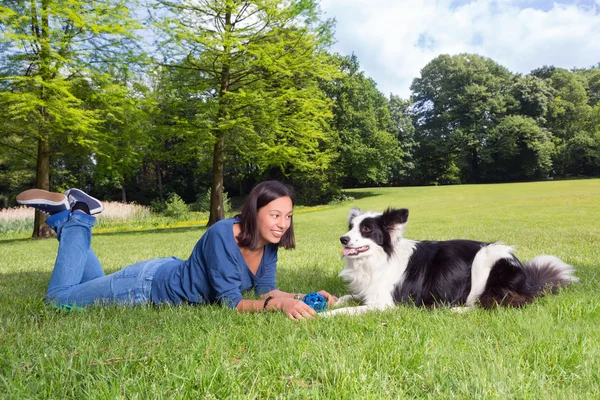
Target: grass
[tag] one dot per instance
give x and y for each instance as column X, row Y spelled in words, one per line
column 548, row 350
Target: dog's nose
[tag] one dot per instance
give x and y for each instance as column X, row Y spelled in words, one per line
column 345, row 240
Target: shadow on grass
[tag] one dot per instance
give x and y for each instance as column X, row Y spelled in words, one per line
column 361, row 194
column 18, row 240
column 200, row 229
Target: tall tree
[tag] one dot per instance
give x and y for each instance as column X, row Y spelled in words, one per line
column 368, row 148
column 457, row 100
column 52, row 45
column 568, row 117
column 517, row 149
column 400, row 110
column 250, row 57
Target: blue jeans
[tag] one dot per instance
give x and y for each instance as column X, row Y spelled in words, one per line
column 78, row 278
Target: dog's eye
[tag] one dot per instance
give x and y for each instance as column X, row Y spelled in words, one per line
column 365, row 229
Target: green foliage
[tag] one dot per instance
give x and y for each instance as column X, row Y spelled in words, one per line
column 518, row 149
column 202, row 203
column 405, row 133
column 258, row 82
column 175, row 207
column 368, row 147
column 50, row 49
column 457, row 100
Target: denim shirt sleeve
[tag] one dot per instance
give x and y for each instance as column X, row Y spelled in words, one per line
column 267, row 281
column 222, row 268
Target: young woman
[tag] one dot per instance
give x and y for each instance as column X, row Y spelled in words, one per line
column 233, row 256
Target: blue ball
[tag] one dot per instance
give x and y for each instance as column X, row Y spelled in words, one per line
column 315, row 301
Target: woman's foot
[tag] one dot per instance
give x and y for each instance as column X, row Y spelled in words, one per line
column 44, row 201
column 79, row 196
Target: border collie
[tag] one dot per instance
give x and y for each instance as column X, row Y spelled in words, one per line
column 383, row 269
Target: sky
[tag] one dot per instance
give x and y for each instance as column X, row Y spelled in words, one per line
column 394, row 39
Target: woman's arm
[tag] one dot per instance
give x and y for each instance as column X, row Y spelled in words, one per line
column 331, row 299
column 278, row 293
column 294, row 309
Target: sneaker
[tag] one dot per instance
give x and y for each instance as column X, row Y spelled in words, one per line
column 75, row 195
column 43, row 200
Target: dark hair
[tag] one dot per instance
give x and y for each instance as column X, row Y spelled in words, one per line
column 261, row 195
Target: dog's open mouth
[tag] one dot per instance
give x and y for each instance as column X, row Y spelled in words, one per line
column 354, row 251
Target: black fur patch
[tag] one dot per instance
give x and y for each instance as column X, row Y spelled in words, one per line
column 438, row 273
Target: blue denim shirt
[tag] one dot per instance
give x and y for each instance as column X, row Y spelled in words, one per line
column 215, row 272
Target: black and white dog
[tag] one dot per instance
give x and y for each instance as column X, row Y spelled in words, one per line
column 383, row 269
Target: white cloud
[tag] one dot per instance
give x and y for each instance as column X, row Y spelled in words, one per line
column 394, row 39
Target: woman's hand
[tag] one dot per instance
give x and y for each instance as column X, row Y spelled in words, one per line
column 331, row 299
column 294, row 309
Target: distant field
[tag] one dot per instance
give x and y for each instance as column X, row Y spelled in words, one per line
column 548, row 350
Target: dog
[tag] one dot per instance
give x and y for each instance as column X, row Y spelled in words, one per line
column 384, row 269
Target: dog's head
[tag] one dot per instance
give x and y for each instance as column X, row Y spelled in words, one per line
column 373, row 232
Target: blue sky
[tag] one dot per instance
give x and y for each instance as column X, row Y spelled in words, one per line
column 394, row 39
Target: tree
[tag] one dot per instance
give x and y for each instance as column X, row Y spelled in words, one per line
column 250, row 58
column 517, row 149
column 405, row 132
column 569, row 114
column 51, row 46
column 368, row 148
column 457, row 100
column 534, row 97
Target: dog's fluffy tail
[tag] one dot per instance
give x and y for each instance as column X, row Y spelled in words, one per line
column 549, row 273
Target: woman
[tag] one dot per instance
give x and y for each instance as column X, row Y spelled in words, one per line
column 233, row 256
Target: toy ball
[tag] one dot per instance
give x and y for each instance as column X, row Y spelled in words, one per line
column 315, row 301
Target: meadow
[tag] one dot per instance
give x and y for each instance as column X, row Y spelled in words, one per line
column 547, row 350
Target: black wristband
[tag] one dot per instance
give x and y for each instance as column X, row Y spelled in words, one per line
column 267, row 300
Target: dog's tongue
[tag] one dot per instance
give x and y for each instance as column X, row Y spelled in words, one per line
column 348, row 251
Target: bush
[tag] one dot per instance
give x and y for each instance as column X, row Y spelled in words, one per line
column 175, row 207
column 202, row 203
column 157, row 206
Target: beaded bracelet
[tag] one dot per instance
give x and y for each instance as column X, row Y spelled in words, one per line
column 267, row 300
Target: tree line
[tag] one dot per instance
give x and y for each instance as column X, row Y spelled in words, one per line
column 138, row 101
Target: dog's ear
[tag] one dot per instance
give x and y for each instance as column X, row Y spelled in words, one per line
column 354, row 212
column 393, row 217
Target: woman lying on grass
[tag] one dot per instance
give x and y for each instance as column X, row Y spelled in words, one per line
column 233, row 256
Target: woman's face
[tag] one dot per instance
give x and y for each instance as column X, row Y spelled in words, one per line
column 274, row 219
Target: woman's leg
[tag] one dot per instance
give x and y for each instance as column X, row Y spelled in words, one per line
column 130, row 286
column 78, row 278
column 93, row 268
column 74, row 232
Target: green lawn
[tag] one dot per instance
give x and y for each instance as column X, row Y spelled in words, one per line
column 548, row 350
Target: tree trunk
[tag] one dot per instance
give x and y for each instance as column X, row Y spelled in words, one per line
column 474, row 165
column 123, row 195
column 216, row 186
column 40, row 228
column 159, row 182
